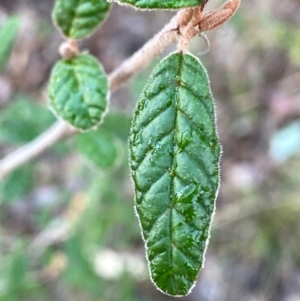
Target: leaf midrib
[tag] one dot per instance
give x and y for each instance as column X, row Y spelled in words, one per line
column 175, row 147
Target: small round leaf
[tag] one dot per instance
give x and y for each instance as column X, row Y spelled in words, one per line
column 78, row 18
column 78, row 91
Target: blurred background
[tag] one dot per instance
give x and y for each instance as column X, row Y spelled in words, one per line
column 67, row 226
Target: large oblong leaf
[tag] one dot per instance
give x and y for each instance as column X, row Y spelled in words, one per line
column 78, row 91
column 174, row 157
column 158, row 4
column 78, row 18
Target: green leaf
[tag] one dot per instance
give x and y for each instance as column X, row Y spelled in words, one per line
column 8, row 32
column 79, row 271
column 23, row 120
column 16, row 184
column 17, row 272
column 158, row 4
column 175, row 167
column 78, row 18
column 16, row 279
column 78, row 91
column 97, row 146
column 118, row 124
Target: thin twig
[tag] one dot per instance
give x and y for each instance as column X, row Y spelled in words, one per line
column 60, row 129
column 32, row 149
column 145, row 55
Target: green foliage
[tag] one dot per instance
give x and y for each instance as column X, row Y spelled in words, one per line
column 78, row 91
column 117, row 124
column 79, row 264
column 108, row 210
column 78, row 18
column 98, row 146
column 175, row 167
column 8, row 32
column 173, row 134
column 23, row 120
column 16, row 281
column 157, row 4
column 16, row 184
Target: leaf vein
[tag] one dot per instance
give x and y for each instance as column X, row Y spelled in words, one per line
column 182, row 253
column 200, row 165
column 199, row 98
column 153, row 183
column 158, row 218
column 195, row 126
column 149, row 151
column 152, row 95
column 159, row 113
column 184, row 218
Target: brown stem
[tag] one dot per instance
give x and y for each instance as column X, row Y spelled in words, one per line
column 32, row 149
